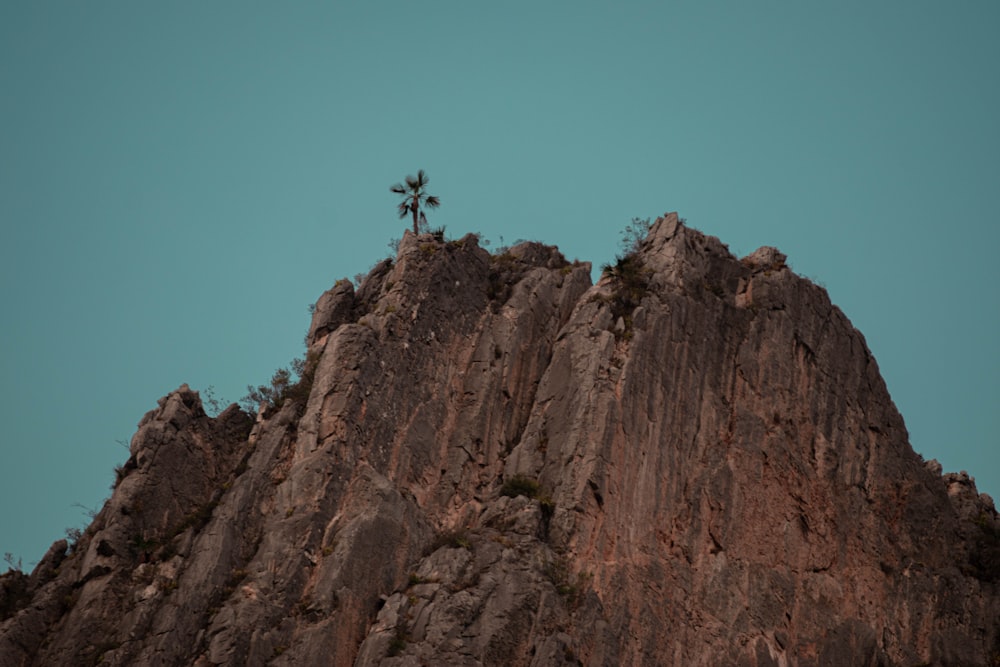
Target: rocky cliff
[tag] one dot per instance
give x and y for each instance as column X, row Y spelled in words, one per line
column 490, row 461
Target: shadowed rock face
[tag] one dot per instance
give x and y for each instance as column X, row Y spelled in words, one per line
column 692, row 463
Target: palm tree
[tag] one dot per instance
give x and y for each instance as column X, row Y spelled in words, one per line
column 414, row 195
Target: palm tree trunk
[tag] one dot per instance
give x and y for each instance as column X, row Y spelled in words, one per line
column 413, row 208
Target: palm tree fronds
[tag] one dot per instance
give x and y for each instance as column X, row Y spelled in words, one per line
column 415, row 198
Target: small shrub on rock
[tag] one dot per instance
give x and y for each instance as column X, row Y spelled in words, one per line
column 287, row 384
column 520, row 485
column 634, row 234
column 398, row 643
column 630, row 283
column 630, row 278
column 569, row 587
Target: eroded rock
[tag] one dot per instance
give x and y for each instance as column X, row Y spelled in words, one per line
column 500, row 464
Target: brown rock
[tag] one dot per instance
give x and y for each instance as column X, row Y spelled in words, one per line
column 500, row 464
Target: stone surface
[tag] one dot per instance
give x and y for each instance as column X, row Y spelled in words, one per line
column 501, row 464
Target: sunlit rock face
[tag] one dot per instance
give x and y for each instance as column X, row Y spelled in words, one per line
column 492, row 461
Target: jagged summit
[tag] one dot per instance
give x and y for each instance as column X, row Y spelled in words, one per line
column 693, row 462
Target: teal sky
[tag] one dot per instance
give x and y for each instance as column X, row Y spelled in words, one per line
column 180, row 180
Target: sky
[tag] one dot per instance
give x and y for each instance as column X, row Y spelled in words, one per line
column 180, row 181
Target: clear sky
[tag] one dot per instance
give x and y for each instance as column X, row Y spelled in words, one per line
column 180, row 180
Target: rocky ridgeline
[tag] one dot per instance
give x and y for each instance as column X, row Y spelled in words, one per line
column 693, row 462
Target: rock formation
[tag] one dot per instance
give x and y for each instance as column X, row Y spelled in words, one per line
column 491, row 461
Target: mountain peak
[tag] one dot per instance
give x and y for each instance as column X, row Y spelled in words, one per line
column 491, row 461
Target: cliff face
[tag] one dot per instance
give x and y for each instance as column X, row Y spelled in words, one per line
column 695, row 462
